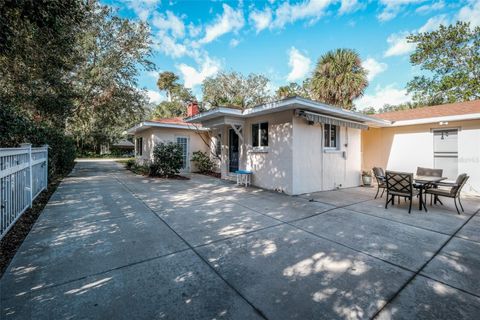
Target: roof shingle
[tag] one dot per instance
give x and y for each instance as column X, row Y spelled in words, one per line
column 451, row 109
column 174, row 120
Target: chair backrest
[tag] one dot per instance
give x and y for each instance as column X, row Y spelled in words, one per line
column 378, row 172
column 459, row 183
column 399, row 182
column 429, row 172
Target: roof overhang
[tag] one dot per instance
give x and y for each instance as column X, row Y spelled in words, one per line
column 460, row 117
column 289, row 104
column 145, row 125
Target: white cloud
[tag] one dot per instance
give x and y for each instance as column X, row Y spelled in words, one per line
column 374, row 68
column 169, row 21
column 155, row 96
column 393, row 7
column 382, row 96
column 230, row 21
column 430, row 7
column 348, row 6
column 289, row 13
column 433, row 23
column 194, row 30
column 193, row 77
column 398, row 45
column 261, row 19
column 143, row 8
column 234, row 43
column 169, row 46
column 153, row 74
column 299, row 63
column 470, row 13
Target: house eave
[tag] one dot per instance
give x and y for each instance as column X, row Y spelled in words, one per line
column 289, row 104
column 150, row 124
column 461, row 117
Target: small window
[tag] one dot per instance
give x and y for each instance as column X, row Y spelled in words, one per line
column 139, row 146
column 218, row 146
column 260, row 134
column 330, row 133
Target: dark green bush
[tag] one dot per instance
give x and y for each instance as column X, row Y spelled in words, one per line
column 17, row 128
column 202, row 161
column 130, row 163
column 167, row 160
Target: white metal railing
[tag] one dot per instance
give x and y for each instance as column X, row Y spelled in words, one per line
column 23, row 175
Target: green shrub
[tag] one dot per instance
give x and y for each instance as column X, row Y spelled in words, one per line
column 202, row 161
column 167, row 160
column 143, row 169
column 130, row 163
column 17, row 128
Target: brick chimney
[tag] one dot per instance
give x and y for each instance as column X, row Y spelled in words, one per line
column 192, row 109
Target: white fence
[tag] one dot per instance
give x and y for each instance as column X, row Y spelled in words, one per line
column 23, row 175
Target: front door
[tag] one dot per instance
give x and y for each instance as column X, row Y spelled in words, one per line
column 183, row 143
column 445, row 152
column 233, row 153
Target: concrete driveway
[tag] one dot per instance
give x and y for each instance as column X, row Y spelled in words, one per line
column 112, row 245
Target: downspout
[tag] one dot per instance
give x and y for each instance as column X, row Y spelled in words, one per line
column 322, row 152
column 345, row 158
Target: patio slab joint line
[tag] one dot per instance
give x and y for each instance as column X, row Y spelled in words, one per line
column 328, row 239
column 417, row 273
column 256, row 309
column 59, row 284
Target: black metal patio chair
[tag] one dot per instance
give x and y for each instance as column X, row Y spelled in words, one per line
column 429, row 172
column 380, row 177
column 450, row 190
column 400, row 184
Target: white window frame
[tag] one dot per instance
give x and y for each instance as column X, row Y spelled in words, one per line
column 337, row 137
column 259, row 133
column 187, row 160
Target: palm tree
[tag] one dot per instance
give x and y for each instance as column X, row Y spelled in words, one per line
column 167, row 81
column 339, row 78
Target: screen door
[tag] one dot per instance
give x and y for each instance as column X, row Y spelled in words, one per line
column 445, row 152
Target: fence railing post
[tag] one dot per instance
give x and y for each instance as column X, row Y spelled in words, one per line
column 46, row 165
column 30, row 173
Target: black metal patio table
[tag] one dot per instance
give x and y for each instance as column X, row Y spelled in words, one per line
column 422, row 183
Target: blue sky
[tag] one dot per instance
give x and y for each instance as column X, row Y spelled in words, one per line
column 283, row 39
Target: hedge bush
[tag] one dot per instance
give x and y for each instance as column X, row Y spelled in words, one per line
column 167, row 160
column 202, row 161
column 17, row 128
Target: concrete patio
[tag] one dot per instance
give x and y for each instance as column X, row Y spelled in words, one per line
column 113, row 245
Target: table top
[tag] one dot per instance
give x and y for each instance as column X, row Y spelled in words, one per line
column 429, row 179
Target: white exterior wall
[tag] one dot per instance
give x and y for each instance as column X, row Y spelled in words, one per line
column 154, row 136
column 316, row 169
column 272, row 168
column 407, row 147
column 469, row 157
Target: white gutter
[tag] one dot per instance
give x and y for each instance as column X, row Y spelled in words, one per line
column 286, row 104
column 221, row 111
column 148, row 124
column 471, row 116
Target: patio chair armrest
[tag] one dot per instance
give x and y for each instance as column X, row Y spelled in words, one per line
column 446, row 184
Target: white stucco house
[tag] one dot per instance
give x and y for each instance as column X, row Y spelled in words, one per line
column 299, row 146
column 293, row 145
column 192, row 137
